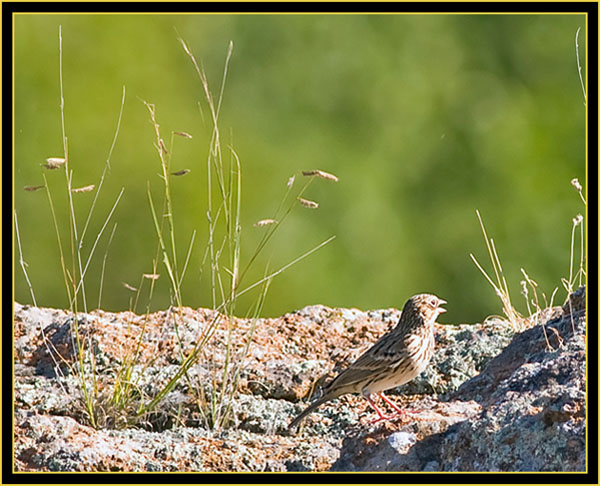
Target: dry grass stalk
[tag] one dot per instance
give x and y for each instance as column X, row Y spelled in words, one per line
column 500, row 286
column 558, row 336
column 534, row 317
column 575, row 183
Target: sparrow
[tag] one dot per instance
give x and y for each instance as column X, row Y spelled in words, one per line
column 395, row 359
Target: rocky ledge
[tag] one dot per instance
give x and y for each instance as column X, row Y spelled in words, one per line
column 494, row 398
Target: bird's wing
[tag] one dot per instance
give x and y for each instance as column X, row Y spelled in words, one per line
column 364, row 368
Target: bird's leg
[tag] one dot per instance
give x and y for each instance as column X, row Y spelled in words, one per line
column 392, row 404
column 379, row 412
column 400, row 411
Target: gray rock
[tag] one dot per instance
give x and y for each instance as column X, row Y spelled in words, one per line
column 530, row 414
column 491, row 400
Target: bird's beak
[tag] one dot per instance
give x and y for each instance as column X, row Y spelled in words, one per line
column 441, row 309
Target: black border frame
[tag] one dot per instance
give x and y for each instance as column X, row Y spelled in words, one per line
column 591, row 8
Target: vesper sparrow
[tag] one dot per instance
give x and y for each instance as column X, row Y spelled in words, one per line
column 396, row 358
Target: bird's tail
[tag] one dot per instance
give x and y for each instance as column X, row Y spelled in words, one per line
column 308, row 410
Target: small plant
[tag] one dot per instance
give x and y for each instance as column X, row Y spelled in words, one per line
column 500, row 285
column 75, row 259
column 121, row 401
column 535, row 316
column 223, row 258
column 528, row 285
column 581, row 274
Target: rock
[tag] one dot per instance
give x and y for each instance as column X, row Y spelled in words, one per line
column 524, row 412
column 491, row 399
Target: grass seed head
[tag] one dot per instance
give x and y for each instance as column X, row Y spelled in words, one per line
column 84, row 189
column 320, row 173
column 308, row 204
column 265, row 222
column 183, row 134
column 181, row 172
column 33, row 188
column 54, row 163
column 162, row 146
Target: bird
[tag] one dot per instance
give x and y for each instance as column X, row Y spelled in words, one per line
column 396, row 358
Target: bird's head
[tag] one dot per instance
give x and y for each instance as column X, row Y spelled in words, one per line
column 426, row 306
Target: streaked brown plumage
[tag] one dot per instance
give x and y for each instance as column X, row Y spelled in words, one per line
column 396, row 358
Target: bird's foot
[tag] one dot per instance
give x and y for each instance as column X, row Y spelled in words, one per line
column 393, row 417
column 379, row 419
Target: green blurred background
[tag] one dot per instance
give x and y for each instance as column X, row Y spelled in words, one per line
column 424, row 119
